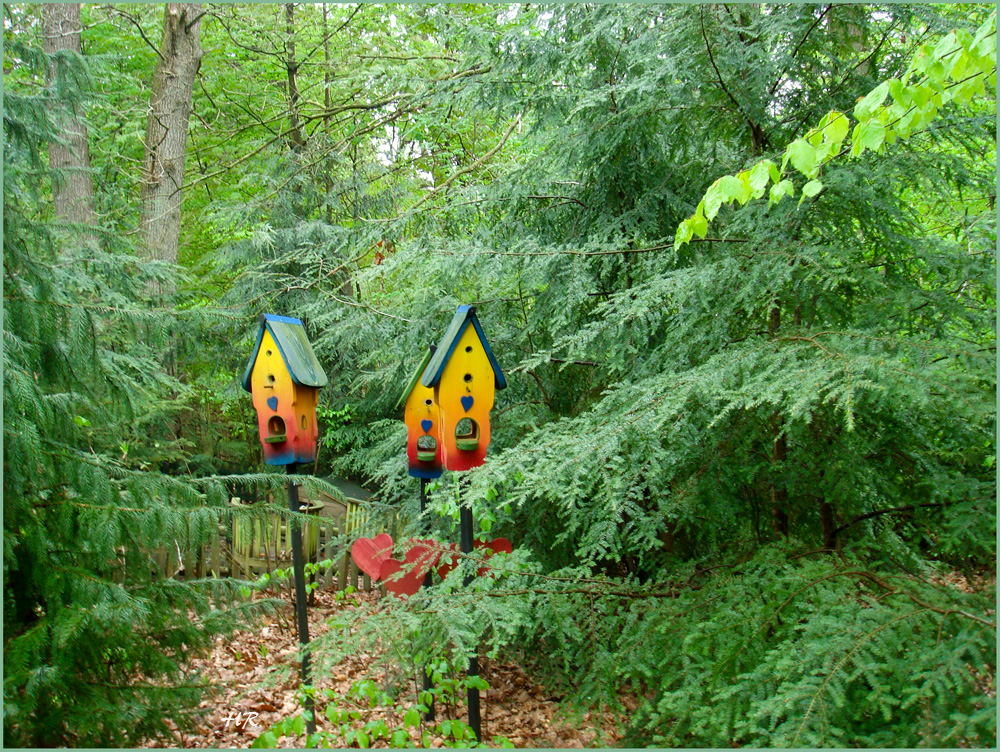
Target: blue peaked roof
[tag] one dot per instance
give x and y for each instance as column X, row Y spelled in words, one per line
column 465, row 315
column 296, row 352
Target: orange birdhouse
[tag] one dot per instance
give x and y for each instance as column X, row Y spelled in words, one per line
column 284, row 378
column 423, row 425
column 464, row 374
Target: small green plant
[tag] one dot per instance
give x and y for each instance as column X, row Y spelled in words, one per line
column 349, row 729
column 282, row 577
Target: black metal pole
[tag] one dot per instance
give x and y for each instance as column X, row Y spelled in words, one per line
column 429, row 715
column 465, row 534
column 300, row 589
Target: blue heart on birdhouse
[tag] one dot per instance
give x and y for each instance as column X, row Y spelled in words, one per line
column 426, row 425
column 272, row 402
column 466, row 402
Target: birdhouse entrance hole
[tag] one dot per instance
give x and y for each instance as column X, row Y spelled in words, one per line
column 275, row 430
column 467, row 434
column 426, row 448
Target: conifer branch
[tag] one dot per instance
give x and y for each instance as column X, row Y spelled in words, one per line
column 466, row 170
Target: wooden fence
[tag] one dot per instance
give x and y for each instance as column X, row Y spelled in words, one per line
column 247, row 546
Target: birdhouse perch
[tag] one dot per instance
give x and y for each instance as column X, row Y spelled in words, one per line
column 284, row 377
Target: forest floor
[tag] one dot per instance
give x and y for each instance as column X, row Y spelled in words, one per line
column 251, row 673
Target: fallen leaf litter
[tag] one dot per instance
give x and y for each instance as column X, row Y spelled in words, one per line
column 256, row 671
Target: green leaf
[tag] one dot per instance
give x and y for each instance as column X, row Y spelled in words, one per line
column 477, row 682
column 985, row 43
column 412, row 718
column 812, row 188
column 746, row 190
column 713, row 200
column 779, row 191
column 901, row 94
column 298, row 725
column 872, row 101
column 267, row 740
column 731, row 188
column 685, row 231
column 760, row 175
column 946, row 46
column 871, row 135
column 802, row 155
column 699, row 225
column 836, row 128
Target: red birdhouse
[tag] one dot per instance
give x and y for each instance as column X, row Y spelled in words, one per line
column 284, row 378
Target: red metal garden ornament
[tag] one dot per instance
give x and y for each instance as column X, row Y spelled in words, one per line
column 404, row 578
column 371, row 553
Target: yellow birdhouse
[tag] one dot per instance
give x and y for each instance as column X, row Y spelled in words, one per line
column 423, row 425
column 464, row 374
column 284, row 378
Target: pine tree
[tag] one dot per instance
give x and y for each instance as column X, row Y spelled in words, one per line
column 96, row 642
column 741, row 472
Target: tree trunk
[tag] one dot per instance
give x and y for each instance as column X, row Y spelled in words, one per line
column 779, row 450
column 327, row 106
column 828, row 525
column 72, row 188
column 847, row 25
column 292, row 68
column 779, row 494
column 166, row 129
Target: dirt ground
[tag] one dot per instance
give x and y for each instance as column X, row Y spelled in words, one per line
column 246, row 667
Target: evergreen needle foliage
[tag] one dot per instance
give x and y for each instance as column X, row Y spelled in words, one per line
column 741, row 474
column 96, row 643
column 746, row 454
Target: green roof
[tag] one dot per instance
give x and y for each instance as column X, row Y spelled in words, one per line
column 416, row 377
column 465, row 315
column 296, row 352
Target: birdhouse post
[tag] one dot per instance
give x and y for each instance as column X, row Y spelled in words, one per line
column 423, row 450
column 284, row 378
column 464, row 375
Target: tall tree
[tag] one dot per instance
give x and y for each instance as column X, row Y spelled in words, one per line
column 69, row 153
column 179, row 58
column 292, row 69
column 95, row 643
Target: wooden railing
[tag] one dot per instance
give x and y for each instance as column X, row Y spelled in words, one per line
column 248, row 545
